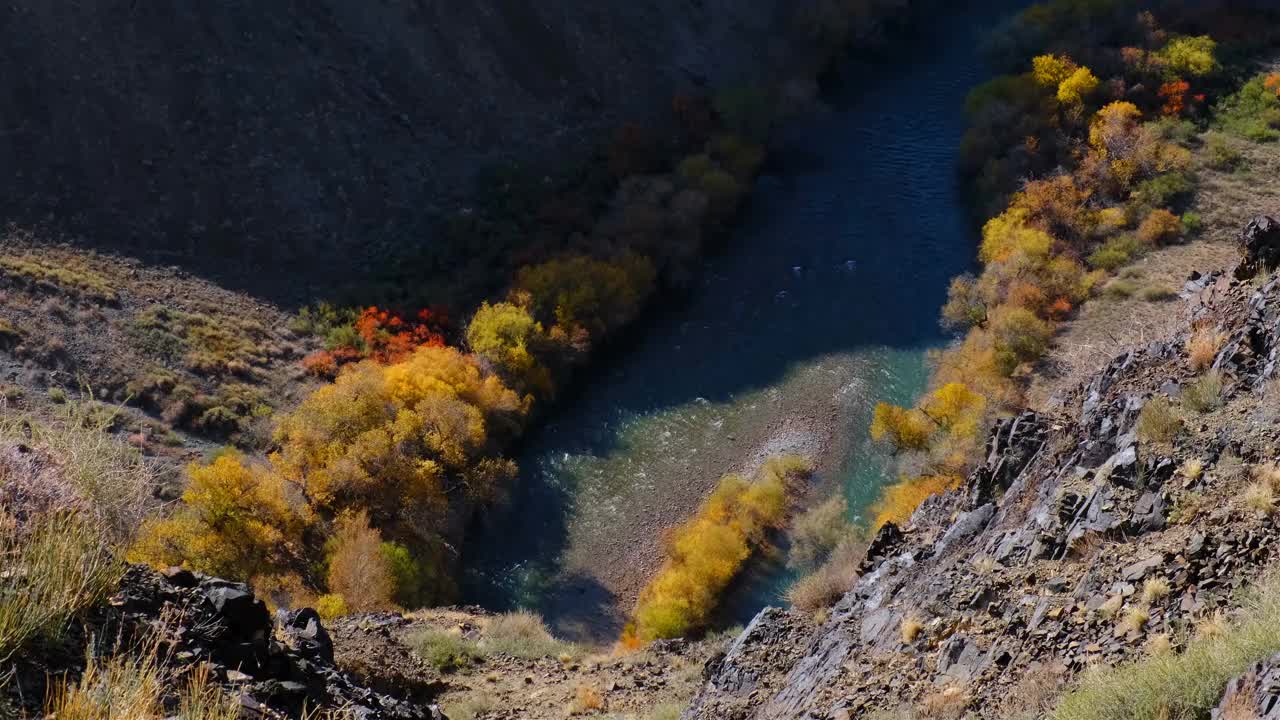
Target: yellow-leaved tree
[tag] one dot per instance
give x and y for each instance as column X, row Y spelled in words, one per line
column 707, row 552
column 235, row 520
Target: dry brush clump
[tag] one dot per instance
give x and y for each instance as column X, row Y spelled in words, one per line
column 71, row 496
column 1203, row 394
column 140, row 685
column 1159, row 421
column 72, row 461
column 56, row 565
column 824, row 586
column 1203, row 347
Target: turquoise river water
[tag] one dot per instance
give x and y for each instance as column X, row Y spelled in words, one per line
column 823, row 303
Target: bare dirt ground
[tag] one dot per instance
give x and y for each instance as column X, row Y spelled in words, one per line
column 653, row 684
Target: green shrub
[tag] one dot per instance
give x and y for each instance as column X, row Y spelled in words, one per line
column 1120, row 289
column 1252, row 113
column 407, row 574
column 723, row 191
column 1186, row 685
column 1221, row 154
column 694, row 167
column 738, row 156
column 446, row 651
column 1165, row 190
column 1192, row 223
column 747, row 110
column 1116, row 252
column 1205, row 393
column 1020, row 337
column 1176, row 130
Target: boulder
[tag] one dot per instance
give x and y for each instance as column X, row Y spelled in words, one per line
column 1260, row 245
column 1254, row 694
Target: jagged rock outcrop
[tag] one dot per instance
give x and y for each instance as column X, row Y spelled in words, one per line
column 1260, row 244
column 272, row 671
column 1043, row 557
column 1254, row 695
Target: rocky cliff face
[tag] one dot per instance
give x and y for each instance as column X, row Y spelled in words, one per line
column 280, row 668
column 1025, row 575
column 284, row 131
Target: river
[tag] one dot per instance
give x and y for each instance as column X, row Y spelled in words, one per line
column 823, row 303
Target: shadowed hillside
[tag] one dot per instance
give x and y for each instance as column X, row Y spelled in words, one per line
column 290, row 133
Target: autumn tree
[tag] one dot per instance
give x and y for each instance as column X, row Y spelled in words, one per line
column 236, row 520
column 403, row 442
column 1188, row 56
column 966, row 307
column 706, row 553
column 579, row 291
column 1160, row 227
column 358, row 570
column 1020, row 337
column 898, row 502
column 905, row 429
column 508, row 336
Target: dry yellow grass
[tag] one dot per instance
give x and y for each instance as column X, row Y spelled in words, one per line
column 1111, row 606
column 910, row 629
column 1160, row 644
column 1268, row 473
column 946, row 704
column 586, row 699
column 1212, row 625
column 1259, row 496
column 1192, row 469
column 134, row 686
column 1203, row 347
column 825, row 586
column 1154, row 590
column 1135, row 620
column 1241, row 705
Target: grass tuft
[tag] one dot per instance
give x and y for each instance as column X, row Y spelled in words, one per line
column 1186, row 685
column 910, row 629
column 1203, row 347
column 1155, row 590
column 51, row 571
column 1205, row 393
column 524, row 635
column 1260, row 496
column 446, row 651
column 1158, row 422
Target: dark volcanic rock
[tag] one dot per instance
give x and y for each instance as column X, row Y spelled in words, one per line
column 223, row 624
column 1255, row 694
column 1260, row 243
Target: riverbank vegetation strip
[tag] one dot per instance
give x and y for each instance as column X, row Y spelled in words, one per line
column 706, row 553
column 1104, row 125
